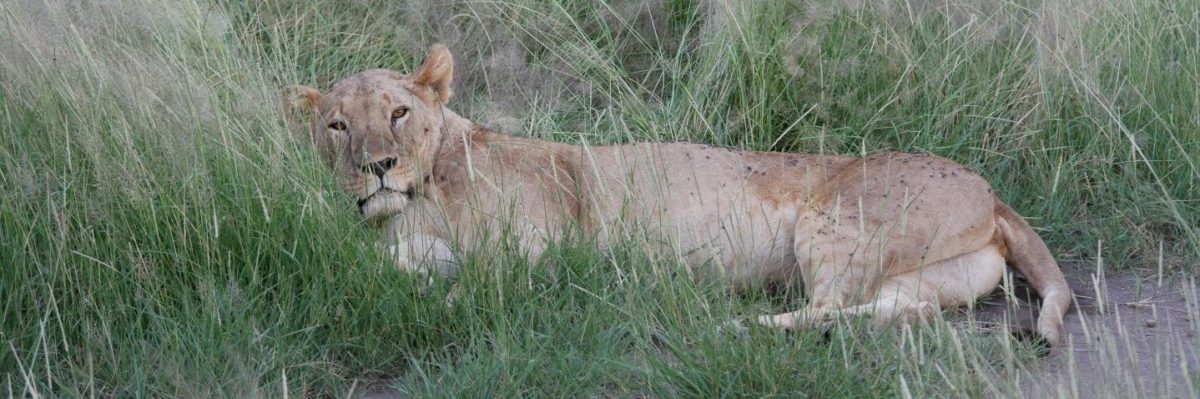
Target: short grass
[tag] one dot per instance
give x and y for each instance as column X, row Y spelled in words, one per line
column 164, row 233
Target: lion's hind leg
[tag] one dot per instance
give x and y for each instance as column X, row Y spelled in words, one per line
column 882, row 311
column 913, row 296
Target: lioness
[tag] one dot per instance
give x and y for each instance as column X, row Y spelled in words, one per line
column 889, row 235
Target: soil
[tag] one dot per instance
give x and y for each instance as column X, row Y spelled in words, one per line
column 1127, row 336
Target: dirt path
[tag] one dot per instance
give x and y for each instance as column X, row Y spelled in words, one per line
column 1129, row 337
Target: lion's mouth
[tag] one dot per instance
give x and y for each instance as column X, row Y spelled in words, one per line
column 362, row 202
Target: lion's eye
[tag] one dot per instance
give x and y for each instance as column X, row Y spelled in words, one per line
column 338, row 125
column 399, row 113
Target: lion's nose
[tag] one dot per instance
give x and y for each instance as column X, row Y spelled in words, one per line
column 380, row 167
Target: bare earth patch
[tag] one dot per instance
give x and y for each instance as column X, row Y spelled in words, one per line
column 1128, row 336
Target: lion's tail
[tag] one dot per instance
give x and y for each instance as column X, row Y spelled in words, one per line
column 1028, row 253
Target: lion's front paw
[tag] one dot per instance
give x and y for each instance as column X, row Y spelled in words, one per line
column 403, row 259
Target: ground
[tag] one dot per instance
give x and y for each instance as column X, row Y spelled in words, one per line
column 1128, row 335
column 1131, row 337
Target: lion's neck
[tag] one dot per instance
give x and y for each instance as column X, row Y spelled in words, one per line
column 464, row 144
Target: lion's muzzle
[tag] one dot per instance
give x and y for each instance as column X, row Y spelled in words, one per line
column 387, row 190
column 407, row 193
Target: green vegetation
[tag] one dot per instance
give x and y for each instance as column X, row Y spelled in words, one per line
column 164, row 233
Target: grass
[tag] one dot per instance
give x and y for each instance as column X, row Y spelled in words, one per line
column 165, row 233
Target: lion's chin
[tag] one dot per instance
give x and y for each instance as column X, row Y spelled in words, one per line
column 383, row 205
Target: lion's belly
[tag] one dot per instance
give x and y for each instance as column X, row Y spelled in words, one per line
column 707, row 202
column 748, row 244
column 745, row 241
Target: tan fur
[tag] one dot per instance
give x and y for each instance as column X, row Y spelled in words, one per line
column 890, row 235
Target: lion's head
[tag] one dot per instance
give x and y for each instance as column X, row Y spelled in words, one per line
column 380, row 130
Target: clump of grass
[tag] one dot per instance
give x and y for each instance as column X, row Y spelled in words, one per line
column 165, row 234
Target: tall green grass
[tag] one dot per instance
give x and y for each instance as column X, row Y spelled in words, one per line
column 164, row 233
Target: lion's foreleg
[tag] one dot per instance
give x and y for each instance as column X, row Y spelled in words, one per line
column 423, row 254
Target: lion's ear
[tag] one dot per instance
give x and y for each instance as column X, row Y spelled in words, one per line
column 437, row 72
column 302, row 97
